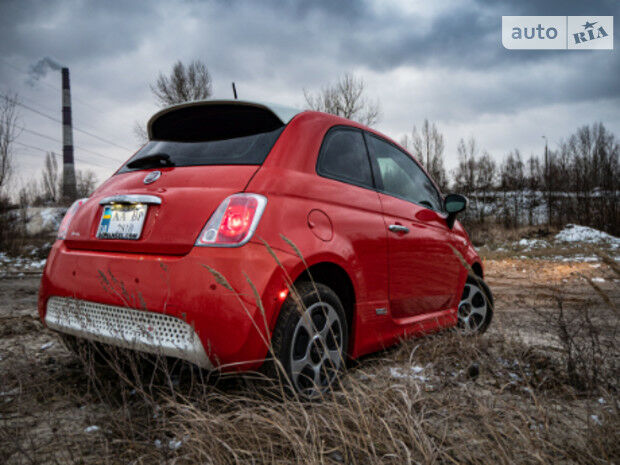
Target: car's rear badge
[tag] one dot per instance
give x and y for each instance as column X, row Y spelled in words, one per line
column 152, row 177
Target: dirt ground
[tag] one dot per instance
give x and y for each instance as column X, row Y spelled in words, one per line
column 46, row 400
column 519, row 287
column 523, row 288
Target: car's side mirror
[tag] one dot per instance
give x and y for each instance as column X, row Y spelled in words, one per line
column 453, row 204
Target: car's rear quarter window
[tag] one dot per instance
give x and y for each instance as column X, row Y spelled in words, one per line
column 344, row 157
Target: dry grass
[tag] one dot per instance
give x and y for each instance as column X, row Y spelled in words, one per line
column 481, row 400
column 440, row 399
column 374, row 418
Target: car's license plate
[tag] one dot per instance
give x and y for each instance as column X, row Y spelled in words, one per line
column 122, row 221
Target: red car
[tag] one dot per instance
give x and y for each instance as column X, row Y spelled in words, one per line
column 240, row 225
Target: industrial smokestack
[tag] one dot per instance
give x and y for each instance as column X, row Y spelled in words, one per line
column 69, row 193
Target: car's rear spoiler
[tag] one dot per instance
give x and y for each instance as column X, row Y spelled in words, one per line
column 217, row 120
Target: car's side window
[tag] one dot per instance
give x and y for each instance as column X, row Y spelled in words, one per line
column 400, row 176
column 343, row 156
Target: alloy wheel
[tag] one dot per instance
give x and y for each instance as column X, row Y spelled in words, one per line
column 316, row 352
column 473, row 309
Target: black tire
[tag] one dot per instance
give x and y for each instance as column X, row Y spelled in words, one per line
column 289, row 336
column 476, row 296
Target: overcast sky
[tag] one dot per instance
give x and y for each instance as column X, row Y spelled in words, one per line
column 421, row 59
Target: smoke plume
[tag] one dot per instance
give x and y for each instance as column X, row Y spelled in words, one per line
column 40, row 69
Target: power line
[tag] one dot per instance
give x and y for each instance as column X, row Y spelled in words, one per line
column 39, row 106
column 21, row 97
column 32, row 147
column 75, row 146
column 97, row 110
column 38, row 134
column 59, row 121
column 50, row 151
column 74, row 127
column 29, row 152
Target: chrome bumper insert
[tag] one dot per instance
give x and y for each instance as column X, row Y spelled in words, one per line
column 127, row 327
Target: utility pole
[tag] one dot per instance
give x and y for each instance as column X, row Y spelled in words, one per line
column 547, row 186
column 428, row 146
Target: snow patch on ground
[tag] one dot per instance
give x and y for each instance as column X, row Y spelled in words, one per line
column 573, row 233
column 529, row 244
column 40, row 220
column 173, row 444
column 51, row 217
column 412, row 373
column 578, row 258
column 19, row 266
column 596, row 420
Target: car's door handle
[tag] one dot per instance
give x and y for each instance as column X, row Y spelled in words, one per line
column 398, row 228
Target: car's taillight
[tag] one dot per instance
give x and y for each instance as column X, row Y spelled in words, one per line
column 66, row 221
column 234, row 221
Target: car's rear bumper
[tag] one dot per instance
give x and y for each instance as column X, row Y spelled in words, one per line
column 130, row 328
column 228, row 328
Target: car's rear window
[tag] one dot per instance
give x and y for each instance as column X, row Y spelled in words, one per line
column 246, row 150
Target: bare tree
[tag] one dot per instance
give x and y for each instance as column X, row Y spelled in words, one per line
column 51, row 181
column 590, row 161
column 465, row 173
column 427, row 146
column 8, row 134
column 486, row 174
column 184, row 84
column 140, row 132
column 345, row 98
column 86, row 181
column 513, row 182
column 475, row 176
column 535, row 173
column 534, row 182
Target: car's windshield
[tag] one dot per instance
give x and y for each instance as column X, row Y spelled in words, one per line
column 247, row 150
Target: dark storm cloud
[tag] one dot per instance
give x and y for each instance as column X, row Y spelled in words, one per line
column 71, row 30
column 466, row 36
column 553, row 7
column 350, row 33
column 358, row 33
column 447, row 57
